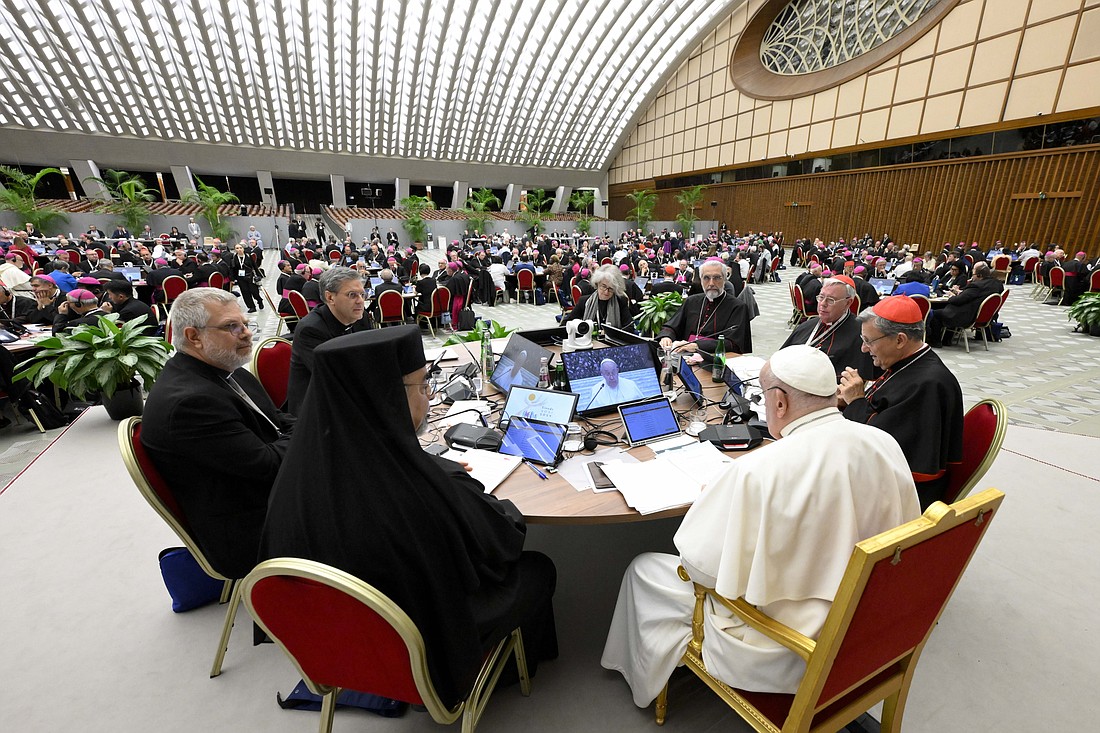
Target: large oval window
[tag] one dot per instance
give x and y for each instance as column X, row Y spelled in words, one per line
column 795, row 47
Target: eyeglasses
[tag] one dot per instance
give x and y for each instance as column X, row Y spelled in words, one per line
column 867, row 342
column 426, row 388
column 829, row 301
column 237, row 328
column 355, row 295
column 757, row 398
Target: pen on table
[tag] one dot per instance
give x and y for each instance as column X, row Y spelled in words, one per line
column 538, row 473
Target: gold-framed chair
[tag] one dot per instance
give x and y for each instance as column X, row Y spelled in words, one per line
column 159, row 495
column 299, row 603
column 892, row 594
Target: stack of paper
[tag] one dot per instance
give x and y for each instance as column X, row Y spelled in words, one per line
column 673, row 479
column 465, row 411
column 487, row 467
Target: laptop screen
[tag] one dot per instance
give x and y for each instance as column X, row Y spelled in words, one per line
column 133, row 274
column 641, row 282
column 691, row 382
column 606, row 378
column 883, row 285
column 519, row 364
column 533, row 440
column 649, row 420
column 540, row 404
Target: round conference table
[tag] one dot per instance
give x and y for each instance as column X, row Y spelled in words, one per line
column 555, row 501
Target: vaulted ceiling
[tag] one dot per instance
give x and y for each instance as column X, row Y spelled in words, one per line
column 534, row 83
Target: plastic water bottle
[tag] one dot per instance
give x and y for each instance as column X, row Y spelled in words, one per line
column 486, row 351
column 544, row 373
column 718, row 371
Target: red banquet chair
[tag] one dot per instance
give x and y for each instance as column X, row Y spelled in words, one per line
column 391, row 308
column 298, row 303
column 923, row 303
column 342, row 633
column 173, row 287
column 439, row 304
column 1029, row 268
column 159, row 495
column 525, row 283
column 853, row 307
column 333, row 256
column 576, row 293
column 217, row 280
column 1094, row 282
column 893, row 593
column 798, row 301
column 984, row 427
column 271, row 365
column 1057, row 283
column 987, row 311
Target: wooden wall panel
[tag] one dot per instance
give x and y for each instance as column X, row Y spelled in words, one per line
column 931, row 203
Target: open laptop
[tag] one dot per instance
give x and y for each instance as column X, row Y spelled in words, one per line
column 539, row 404
column 133, row 274
column 536, row 441
column 647, row 421
column 641, row 282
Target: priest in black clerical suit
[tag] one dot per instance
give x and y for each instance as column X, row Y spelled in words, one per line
column 702, row 318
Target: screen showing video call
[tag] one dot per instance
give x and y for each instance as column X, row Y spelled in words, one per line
column 607, row 378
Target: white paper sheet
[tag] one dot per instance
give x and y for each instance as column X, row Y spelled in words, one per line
column 489, row 468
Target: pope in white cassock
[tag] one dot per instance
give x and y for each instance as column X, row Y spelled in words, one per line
column 613, row 390
column 777, row 527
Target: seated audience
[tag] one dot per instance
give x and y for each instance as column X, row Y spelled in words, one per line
column 703, row 318
column 416, row 526
column 14, row 308
column 962, row 308
column 212, row 431
column 120, row 296
column 608, row 304
column 774, row 529
column 80, row 307
column 834, row 329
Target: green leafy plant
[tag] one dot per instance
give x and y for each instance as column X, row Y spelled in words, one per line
column 657, row 310
column 129, row 196
column 645, row 201
column 582, row 201
column 209, row 200
column 99, row 358
column 18, row 196
column 534, row 210
column 414, row 208
column 689, row 200
column 479, row 207
column 497, row 330
column 1086, row 311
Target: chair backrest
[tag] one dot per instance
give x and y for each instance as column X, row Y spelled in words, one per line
column 1057, row 277
column 441, row 300
column 1004, row 297
column 98, row 251
column 271, row 365
column 23, row 257
column 892, row 594
column 173, row 287
column 525, row 279
column 334, row 255
column 923, row 303
column 1030, row 263
column 987, row 311
column 984, row 427
column 576, row 292
column 969, row 258
column 854, row 305
column 391, row 305
column 1001, row 262
column 341, row 632
column 217, row 280
column 298, row 303
column 799, row 299
column 1094, row 281
column 607, row 261
column 156, row 490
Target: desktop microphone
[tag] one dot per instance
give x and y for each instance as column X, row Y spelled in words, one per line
column 472, row 358
column 598, row 390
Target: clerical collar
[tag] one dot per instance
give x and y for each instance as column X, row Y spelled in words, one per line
column 817, row 338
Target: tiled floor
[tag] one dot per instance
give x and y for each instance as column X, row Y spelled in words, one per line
column 1048, row 376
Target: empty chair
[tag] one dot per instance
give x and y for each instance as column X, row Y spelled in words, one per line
column 525, row 283
column 987, row 311
column 391, row 308
column 984, row 427
column 271, row 365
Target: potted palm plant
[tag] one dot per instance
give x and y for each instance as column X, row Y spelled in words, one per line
column 210, row 200
column 582, row 201
column 18, row 195
column 534, row 209
column 414, row 208
column 479, row 207
column 104, row 358
column 645, row 202
column 130, row 197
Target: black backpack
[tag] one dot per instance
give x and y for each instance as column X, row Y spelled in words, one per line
column 43, row 408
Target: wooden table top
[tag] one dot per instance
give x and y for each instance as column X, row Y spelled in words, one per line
column 555, row 501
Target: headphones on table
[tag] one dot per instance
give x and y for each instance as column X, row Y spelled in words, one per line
column 595, row 438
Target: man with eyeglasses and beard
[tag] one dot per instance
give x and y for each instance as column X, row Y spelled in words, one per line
column 702, row 318
column 212, row 432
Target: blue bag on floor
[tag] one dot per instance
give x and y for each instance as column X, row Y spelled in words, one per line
column 186, row 582
column 540, row 297
column 300, row 698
